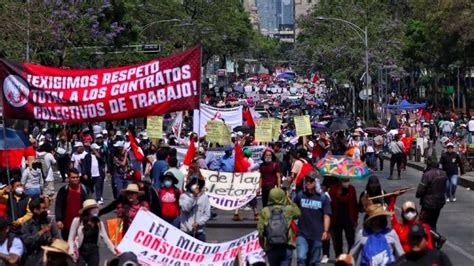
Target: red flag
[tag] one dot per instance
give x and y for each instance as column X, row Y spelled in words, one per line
column 133, row 144
column 240, row 164
column 247, row 115
column 190, row 153
column 315, row 78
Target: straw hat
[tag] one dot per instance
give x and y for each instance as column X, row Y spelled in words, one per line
column 58, row 245
column 132, row 188
column 375, row 210
column 88, row 204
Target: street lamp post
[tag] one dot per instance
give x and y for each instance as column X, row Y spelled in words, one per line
column 365, row 41
column 157, row 22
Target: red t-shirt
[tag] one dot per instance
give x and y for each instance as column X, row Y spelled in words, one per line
column 73, row 205
column 169, row 199
column 269, row 174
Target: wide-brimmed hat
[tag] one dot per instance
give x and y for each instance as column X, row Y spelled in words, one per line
column 58, row 245
column 132, row 188
column 88, row 204
column 170, row 175
column 375, row 210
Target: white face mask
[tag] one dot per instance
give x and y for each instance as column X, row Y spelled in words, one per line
column 94, row 212
column 409, row 215
column 19, row 190
column 194, row 187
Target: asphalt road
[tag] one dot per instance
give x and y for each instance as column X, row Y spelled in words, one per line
column 455, row 221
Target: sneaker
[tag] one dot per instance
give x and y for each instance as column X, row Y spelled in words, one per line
column 246, row 208
column 447, row 200
column 453, row 199
column 324, row 259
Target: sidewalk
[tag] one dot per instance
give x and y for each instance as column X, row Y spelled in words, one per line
column 466, row 180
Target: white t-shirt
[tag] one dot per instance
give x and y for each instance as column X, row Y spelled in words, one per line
column 16, row 248
column 49, row 161
column 94, row 166
column 96, row 129
column 76, row 159
column 470, row 125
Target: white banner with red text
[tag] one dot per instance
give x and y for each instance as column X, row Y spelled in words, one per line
column 232, row 117
column 156, row 242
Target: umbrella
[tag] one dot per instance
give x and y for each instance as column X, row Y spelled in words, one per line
column 317, row 125
column 338, row 125
column 342, row 167
column 320, row 129
column 245, row 129
column 374, row 130
column 13, row 144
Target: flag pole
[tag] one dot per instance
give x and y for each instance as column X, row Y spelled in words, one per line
column 7, row 160
column 200, row 95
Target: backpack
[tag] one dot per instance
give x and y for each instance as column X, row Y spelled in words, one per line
column 276, row 229
column 44, row 167
column 376, row 250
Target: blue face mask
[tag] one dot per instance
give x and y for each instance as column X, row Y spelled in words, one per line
column 168, row 183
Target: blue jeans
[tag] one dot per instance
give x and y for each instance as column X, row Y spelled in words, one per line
column 308, row 249
column 370, row 159
column 118, row 183
column 174, row 221
column 33, row 192
column 279, row 256
column 451, row 185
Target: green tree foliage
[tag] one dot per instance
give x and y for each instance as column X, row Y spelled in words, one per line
column 336, row 48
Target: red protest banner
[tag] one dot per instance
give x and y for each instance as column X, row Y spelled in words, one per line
column 164, row 85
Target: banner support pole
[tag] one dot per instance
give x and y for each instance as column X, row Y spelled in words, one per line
column 7, row 160
column 200, row 96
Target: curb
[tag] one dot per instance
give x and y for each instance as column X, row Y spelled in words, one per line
column 464, row 182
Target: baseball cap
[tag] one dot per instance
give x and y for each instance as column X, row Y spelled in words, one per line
column 78, row 144
column 416, row 231
column 312, row 175
column 99, row 136
column 104, row 132
column 450, row 144
column 95, row 146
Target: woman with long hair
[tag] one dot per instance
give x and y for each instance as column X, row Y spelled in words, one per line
column 270, row 174
column 87, row 228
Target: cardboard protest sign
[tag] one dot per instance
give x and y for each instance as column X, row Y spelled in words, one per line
column 302, row 125
column 154, row 127
column 217, row 132
column 165, row 85
column 155, row 242
column 264, row 130
column 276, row 129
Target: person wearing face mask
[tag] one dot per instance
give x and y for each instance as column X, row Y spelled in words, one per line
column 20, row 213
column 344, row 214
column 168, row 199
column 39, row 231
column 87, row 228
column 195, row 209
column 409, row 217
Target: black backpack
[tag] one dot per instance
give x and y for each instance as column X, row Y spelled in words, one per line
column 277, row 227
